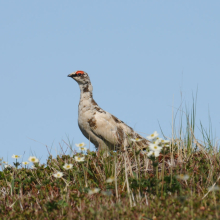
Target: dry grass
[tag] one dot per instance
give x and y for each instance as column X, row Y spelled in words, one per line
column 142, row 187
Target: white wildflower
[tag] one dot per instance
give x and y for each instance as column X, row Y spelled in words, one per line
column 7, row 166
column 83, row 148
column 33, row 159
column 136, row 139
column 93, row 191
column 214, row 188
column 79, row 159
column 58, row 174
column 165, row 142
column 15, row 156
column 157, row 141
column 153, row 136
column 25, row 163
column 81, row 144
column 67, row 166
column 155, row 147
column 110, row 179
column 182, row 177
column 154, row 153
column 166, row 145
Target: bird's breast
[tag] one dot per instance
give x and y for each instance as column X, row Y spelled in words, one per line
column 85, row 112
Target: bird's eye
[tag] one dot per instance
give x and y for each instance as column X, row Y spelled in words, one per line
column 79, row 74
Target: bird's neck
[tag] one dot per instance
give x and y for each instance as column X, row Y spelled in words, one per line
column 86, row 98
column 86, row 91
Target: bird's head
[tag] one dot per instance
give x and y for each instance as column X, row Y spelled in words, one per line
column 80, row 77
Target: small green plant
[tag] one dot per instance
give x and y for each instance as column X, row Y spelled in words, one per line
column 174, row 178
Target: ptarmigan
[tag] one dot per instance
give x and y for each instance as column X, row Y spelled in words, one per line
column 103, row 129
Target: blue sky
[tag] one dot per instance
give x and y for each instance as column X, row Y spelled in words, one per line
column 143, row 57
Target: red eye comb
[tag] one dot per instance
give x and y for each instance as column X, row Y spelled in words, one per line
column 79, row 71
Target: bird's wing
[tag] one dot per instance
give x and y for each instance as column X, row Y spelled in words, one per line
column 105, row 127
column 114, row 131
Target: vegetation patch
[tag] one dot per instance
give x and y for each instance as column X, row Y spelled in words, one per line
column 176, row 178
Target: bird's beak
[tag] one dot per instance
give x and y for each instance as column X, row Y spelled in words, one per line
column 69, row 75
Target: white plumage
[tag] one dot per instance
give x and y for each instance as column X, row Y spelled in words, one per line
column 103, row 129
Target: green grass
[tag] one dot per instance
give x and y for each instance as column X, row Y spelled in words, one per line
column 142, row 187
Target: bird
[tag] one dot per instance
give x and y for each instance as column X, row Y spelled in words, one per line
column 103, row 129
